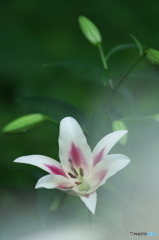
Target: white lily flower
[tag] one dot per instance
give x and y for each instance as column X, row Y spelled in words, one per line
column 81, row 171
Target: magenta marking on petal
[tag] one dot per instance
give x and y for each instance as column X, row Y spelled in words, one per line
column 98, row 157
column 87, row 196
column 76, row 155
column 56, row 170
column 102, row 174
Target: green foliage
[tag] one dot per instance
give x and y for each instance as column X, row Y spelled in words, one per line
column 25, row 123
column 54, row 108
column 153, row 56
column 120, row 125
column 138, row 44
column 86, row 71
column 119, row 48
column 90, row 30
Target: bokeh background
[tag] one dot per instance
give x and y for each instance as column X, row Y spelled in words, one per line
column 35, row 32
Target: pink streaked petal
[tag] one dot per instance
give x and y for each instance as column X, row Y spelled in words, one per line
column 98, row 157
column 105, row 145
column 111, row 164
column 53, row 181
column 77, row 156
column 98, row 175
column 90, row 201
column 73, row 143
column 42, row 162
column 115, row 162
column 56, row 170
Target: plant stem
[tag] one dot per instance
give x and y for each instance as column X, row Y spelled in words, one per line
column 128, row 72
column 122, row 80
column 102, row 56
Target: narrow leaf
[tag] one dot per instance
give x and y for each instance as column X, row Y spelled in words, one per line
column 54, row 108
column 86, row 71
column 120, row 48
column 138, row 44
column 90, row 30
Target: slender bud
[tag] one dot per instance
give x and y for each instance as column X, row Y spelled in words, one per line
column 90, row 30
column 152, row 55
column 25, row 123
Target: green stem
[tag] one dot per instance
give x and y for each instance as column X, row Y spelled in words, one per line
column 121, row 81
column 128, row 72
column 102, row 56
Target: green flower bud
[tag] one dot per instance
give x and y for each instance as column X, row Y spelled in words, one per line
column 120, row 125
column 25, row 123
column 90, row 31
column 153, row 55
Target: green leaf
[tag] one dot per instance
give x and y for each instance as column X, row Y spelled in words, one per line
column 90, row 30
column 86, row 71
column 152, row 55
column 120, row 48
column 25, row 123
column 120, row 125
column 54, row 108
column 110, row 212
column 138, row 44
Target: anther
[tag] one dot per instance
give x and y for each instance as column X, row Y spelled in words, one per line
column 74, row 171
column 70, row 160
column 71, row 175
column 81, row 172
column 78, row 183
column 67, row 187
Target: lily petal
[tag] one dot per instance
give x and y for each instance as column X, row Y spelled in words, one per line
column 73, row 145
column 90, row 201
column 48, row 164
column 106, row 144
column 54, row 181
column 107, row 168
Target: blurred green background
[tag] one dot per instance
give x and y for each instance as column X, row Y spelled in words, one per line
column 35, row 32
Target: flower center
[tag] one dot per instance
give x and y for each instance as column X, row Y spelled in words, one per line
column 79, row 175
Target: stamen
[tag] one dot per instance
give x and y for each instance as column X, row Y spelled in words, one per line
column 67, row 187
column 71, row 175
column 81, row 172
column 70, row 161
column 74, row 171
column 78, row 183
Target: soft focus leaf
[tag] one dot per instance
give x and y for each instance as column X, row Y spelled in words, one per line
column 98, row 127
column 25, row 123
column 128, row 96
column 153, row 56
column 44, row 201
column 120, row 48
column 86, row 71
column 138, row 44
column 55, row 204
column 120, row 125
column 110, row 212
column 54, row 108
column 143, row 119
column 90, row 30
